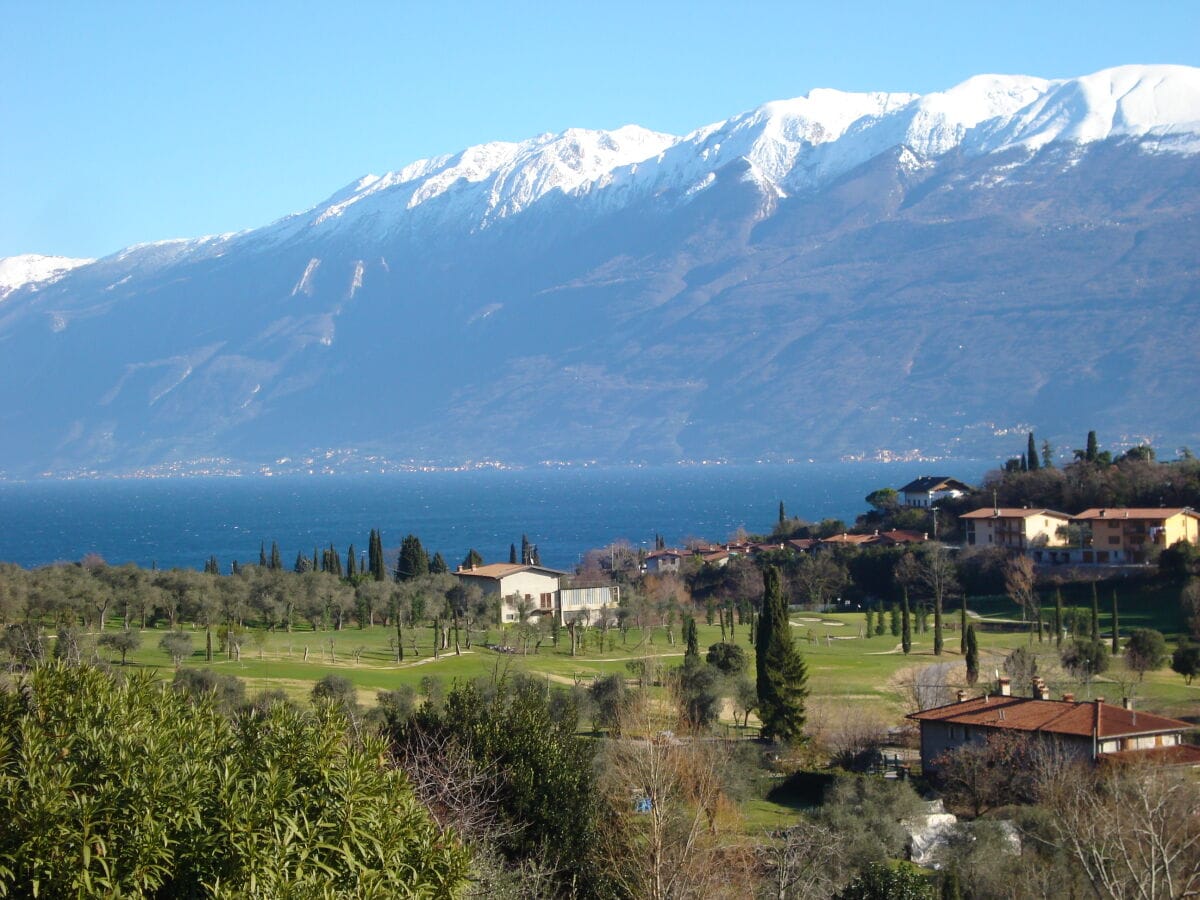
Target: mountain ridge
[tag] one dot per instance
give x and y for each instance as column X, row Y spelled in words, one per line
column 791, row 282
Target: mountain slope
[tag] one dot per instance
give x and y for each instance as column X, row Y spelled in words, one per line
column 834, row 275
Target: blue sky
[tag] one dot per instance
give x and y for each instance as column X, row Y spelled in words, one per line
column 127, row 121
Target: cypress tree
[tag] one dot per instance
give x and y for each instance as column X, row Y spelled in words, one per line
column 962, row 626
column 894, row 619
column 316, row 561
column 262, row 554
column 534, row 557
column 512, row 554
column 869, row 614
column 472, row 559
column 782, row 680
column 276, row 559
column 301, row 563
column 693, row 641
column 972, row 656
column 782, row 513
column 1058, row 618
column 526, row 552
column 1116, row 626
column 1095, row 614
column 351, row 563
column 437, row 565
column 880, row 625
column 1031, row 454
column 1047, row 455
column 905, row 625
column 375, row 556
column 1093, row 449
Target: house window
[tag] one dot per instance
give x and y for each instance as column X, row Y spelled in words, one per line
column 1114, row 539
column 547, row 601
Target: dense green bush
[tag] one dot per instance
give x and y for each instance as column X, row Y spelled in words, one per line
column 113, row 786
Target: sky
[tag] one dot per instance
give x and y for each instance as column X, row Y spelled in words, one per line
column 125, row 122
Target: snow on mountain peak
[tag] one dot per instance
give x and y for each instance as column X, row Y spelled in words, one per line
column 787, row 146
column 30, row 268
column 1126, row 101
column 516, row 175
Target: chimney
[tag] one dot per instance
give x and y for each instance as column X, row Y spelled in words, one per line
column 1069, row 698
column 962, row 696
column 1005, row 687
column 1127, row 702
column 1040, row 691
column 1099, row 702
column 1103, row 513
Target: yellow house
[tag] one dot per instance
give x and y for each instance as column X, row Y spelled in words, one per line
column 1014, row 529
column 1127, row 535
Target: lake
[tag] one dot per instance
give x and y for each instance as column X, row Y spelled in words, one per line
column 566, row 511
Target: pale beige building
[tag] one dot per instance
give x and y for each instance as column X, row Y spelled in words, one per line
column 1014, row 529
column 1129, row 535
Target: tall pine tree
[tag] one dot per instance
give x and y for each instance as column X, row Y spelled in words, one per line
column 1058, row 618
column 905, row 626
column 1031, row 454
column 782, row 680
column 437, row 566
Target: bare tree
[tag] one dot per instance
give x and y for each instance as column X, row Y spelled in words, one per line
column 1134, row 829
column 666, row 812
column 803, row 862
column 1019, row 578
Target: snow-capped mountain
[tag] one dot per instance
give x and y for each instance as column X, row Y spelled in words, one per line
column 796, row 144
column 32, row 269
column 835, row 274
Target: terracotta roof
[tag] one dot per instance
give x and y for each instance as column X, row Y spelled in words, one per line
column 849, row 539
column 900, row 536
column 1137, row 513
column 1009, row 512
column 801, row 543
column 1177, row 755
column 1077, row 718
column 501, row 570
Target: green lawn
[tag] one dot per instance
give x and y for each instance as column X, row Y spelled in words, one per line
column 868, row 674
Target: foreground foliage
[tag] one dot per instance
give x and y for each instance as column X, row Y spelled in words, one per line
column 124, row 787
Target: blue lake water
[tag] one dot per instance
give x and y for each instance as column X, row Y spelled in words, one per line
column 181, row 521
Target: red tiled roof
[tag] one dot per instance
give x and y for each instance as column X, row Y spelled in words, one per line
column 988, row 512
column 1177, row 755
column 849, row 539
column 1070, row 717
column 900, row 536
column 1137, row 513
